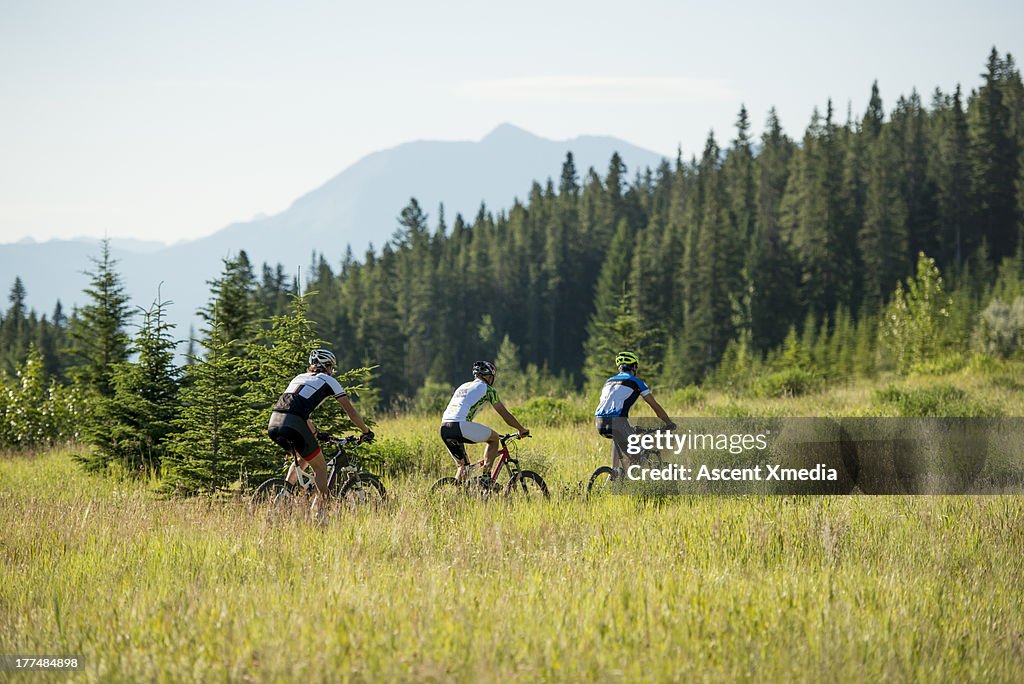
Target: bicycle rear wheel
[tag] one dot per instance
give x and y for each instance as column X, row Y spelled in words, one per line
column 362, row 489
column 601, row 482
column 527, row 484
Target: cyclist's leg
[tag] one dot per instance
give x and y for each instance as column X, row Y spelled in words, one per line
column 476, row 433
column 282, row 432
column 305, row 444
column 455, row 443
column 606, row 428
column 319, row 465
column 621, row 430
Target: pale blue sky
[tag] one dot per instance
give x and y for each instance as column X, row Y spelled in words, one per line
column 168, row 120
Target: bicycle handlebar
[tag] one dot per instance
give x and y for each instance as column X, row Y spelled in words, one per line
column 510, row 436
column 340, row 441
column 650, row 431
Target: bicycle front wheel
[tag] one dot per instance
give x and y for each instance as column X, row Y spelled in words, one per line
column 601, row 482
column 362, row 489
column 445, row 484
column 527, row 484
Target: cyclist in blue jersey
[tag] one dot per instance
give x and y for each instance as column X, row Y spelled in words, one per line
column 457, row 426
column 618, row 395
column 291, row 426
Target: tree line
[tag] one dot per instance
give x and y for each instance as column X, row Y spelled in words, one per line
column 741, row 245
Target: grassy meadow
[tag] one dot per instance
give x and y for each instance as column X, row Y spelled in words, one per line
column 858, row 588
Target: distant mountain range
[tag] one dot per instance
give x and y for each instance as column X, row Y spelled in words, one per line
column 358, row 207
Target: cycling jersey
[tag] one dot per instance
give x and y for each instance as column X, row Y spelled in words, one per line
column 619, row 394
column 467, row 400
column 306, row 392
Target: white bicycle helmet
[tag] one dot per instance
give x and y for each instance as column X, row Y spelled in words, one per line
column 322, row 359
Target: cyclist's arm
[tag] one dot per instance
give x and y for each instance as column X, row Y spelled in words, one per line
column 658, row 410
column 353, row 415
column 507, row 416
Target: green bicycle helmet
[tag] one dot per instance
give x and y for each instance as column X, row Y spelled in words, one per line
column 626, row 358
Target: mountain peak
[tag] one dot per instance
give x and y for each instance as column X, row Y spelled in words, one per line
column 507, row 131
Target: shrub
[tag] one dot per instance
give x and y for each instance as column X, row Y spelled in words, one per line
column 1000, row 330
column 399, row 456
column 942, row 365
column 937, row 401
column 691, row 395
column 988, row 365
column 432, row 398
column 790, row 382
column 547, row 412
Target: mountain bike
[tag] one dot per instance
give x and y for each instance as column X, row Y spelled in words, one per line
column 520, row 484
column 605, row 479
column 347, row 481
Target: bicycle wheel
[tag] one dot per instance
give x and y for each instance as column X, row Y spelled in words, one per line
column 601, row 482
column 362, row 489
column 276, row 493
column 527, row 484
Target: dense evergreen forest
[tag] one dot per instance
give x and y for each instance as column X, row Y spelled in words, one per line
column 889, row 238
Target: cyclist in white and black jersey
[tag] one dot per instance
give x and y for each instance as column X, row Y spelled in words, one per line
column 618, row 395
column 291, row 426
column 457, row 426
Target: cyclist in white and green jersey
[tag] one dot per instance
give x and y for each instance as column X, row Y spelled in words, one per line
column 457, row 426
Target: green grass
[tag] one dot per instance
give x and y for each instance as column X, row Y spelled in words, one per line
column 624, row 589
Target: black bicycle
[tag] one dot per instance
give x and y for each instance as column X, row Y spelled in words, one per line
column 347, row 481
column 605, row 479
column 520, row 484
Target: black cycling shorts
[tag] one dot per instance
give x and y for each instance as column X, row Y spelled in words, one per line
column 618, row 430
column 291, row 432
column 455, row 442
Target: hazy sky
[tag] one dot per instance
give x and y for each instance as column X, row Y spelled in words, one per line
column 169, row 120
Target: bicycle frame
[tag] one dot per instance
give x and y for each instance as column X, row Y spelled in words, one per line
column 646, row 457
column 305, row 479
column 304, row 476
column 504, row 458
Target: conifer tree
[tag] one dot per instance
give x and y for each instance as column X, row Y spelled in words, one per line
column 813, row 221
column 98, row 336
column 740, row 180
column 916, row 185
column 773, row 274
column 380, row 338
column 611, row 290
column 994, row 164
column 622, row 331
column 136, row 422
column 233, row 297
column 949, row 168
column 915, row 328
column 883, row 238
column 206, row 450
column 14, row 330
column 713, row 266
column 864, row 352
